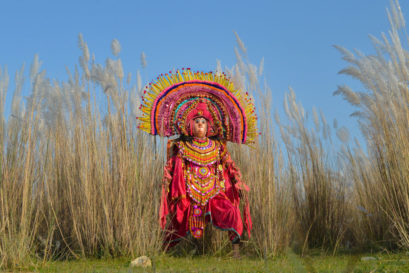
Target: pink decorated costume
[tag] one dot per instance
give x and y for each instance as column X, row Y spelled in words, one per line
column 202, row 185
column 201, row 182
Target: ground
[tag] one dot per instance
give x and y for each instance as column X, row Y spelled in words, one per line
column 291, row 263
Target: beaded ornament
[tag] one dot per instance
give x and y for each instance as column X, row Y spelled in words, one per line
column 168, row 101
column 197, row 221
column 200, row 155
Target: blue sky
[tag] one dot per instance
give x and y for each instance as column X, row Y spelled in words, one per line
column 294, row 37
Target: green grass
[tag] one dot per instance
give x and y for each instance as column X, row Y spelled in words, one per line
column 290, row 263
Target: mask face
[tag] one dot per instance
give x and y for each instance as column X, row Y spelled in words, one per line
column 200, row 127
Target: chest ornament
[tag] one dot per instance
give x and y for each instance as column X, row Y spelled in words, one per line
column 203, row 182
column 200, row 152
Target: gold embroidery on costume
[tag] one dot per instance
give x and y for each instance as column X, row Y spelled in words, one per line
column 203, row 173
column 201, row 153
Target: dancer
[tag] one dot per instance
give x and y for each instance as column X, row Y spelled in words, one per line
column 201, row 182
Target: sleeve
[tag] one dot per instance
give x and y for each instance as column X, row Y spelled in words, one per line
column 173, row 198
column 166, row 180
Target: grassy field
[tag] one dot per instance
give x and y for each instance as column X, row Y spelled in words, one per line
column 289, row 263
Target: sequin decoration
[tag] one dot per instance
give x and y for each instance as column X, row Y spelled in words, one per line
column 203, row 182
column 196, row 221
column 203, row 154
column 204, row 172
column 197, row 211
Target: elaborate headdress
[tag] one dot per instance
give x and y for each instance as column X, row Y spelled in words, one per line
column 170, row 103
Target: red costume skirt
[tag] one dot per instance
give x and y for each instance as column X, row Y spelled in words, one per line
column 219, row 211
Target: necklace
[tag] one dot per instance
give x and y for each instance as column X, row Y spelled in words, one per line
column 201, row 152
column 202, row 144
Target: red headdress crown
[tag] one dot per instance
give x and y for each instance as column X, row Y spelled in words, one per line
column 205, row 110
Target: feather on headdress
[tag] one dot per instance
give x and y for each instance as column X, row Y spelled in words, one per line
column 169, row 101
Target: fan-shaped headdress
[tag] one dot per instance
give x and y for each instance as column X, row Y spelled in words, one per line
column 174, row 99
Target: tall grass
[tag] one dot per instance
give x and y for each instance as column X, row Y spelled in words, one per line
column 381, row 177
column 77, row 181
column 262, row 166
column 318, row 191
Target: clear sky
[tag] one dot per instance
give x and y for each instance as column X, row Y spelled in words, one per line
column 295, row 37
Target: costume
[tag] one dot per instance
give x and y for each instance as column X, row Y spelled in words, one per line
column 201, row 183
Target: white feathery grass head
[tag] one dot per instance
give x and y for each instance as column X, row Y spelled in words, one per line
column 293, row 110
column 326, row 130
column 289, row 106
column 252, row 72
column 343, row 134
column 335, row 124
column 358, row 114
column 218, row 67
column 52, row 104
column 276, row 117
column 399, row 13
column 84, row 47
column 80, row 40
column 261, row 67
column 395, row 16
column 4, row 83
column 287, row 139
column 84, row 67
column 352, row 71
column 143, row 60
column 16, row 101
column 37, row 90
column 85, row 53
column 35, row 67
column 240, row 62
column 316, row 119
column 346, row 54
column 129, row 78
column 102, row 77
column 229, row 71
column 296, row 109
column 378, row 44
column 238, row 78
column 84, row 59
column 240, row 43
column 22, row 110
column 348, row 95
column 115, row 47
column 286, row 107
column 134, row 103
column 139, row 82
column 119, row 69
column 114, row 68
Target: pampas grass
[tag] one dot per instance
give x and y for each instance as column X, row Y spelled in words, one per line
column 381, row 175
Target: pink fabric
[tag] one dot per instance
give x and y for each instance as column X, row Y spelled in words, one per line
column 226, row 215
column 223, row 209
